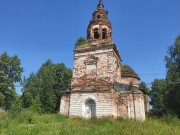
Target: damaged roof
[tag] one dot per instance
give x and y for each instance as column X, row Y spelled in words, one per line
column 127, row 71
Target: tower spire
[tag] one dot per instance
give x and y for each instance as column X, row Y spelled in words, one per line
column 100, row 2
column 100, row 5
column 99, row 28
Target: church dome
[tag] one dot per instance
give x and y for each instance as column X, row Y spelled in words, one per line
column 127, row 71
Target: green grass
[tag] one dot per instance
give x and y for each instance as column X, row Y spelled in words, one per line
column 29, row 123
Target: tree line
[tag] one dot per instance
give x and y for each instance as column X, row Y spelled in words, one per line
column 165, row 93
column 41, row 90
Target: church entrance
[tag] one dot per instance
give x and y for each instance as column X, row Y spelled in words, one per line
column 90, row 109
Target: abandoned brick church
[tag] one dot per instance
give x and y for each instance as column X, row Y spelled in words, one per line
column 102, row 85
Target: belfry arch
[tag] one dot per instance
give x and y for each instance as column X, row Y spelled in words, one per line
column 96, row 33
column 104, row 33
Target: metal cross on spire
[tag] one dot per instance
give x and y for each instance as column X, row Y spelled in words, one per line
column 100, row 2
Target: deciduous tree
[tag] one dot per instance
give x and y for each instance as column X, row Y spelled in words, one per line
column 144, row 88
column 173, row 77
column 48, row 83
column 10, row 73
column 158, row 96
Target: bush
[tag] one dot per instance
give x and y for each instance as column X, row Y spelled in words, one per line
column 16, row 109
column 19, row 113
column 80, row 41
column 36, row 105
column 26, row 116
column 170, row 119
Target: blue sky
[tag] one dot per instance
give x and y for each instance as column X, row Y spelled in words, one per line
column 37, row 30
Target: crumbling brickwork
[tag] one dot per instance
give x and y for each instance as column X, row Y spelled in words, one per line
column 130, row 104
column 64, row 104
column 146, row 104
column 127, row 80
column 100, row 84
column 99, row 28
column 96, row 68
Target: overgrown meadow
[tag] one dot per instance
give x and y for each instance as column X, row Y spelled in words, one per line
column 30, row 123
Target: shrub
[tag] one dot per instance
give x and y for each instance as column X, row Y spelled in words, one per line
column 26, row 116
column 36, row 105
column 16, row 109
column 80, row 41
column 170, row 119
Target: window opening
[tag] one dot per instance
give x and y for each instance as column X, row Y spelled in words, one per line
column 96, row 34
column 104, row 33
column 98, row 16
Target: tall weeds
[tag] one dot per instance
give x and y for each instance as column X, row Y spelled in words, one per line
column 30, row 123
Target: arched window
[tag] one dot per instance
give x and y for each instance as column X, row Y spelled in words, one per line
column 104, row 33
column 96, row 34
column 98, row 16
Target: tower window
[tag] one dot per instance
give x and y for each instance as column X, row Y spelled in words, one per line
column 96, row 34
column 98, row 16
column 104, row 33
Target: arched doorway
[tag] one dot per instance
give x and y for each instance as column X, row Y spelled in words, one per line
column 90, row 108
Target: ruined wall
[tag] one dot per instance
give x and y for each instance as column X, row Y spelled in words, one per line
column 64, row 104
column 104, row 104
column 117, row 104
column 146, row 104
column 127, row 80
column 96, row 68
column 130, row 104
column 98, row 41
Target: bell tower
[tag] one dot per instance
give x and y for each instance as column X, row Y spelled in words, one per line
column 97, row 64
column 99, row 29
